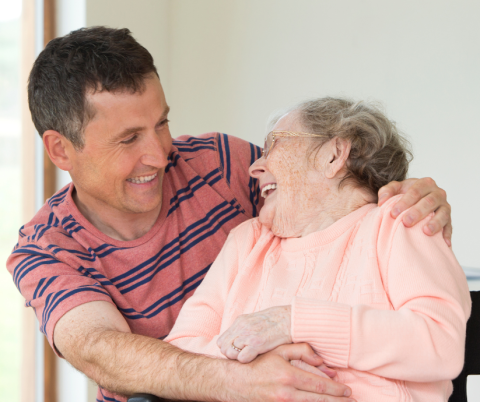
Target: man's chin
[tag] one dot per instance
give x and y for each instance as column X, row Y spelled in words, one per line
column 143, row 206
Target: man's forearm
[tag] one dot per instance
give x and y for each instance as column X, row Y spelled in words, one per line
column 96, row 339
column 126, row 363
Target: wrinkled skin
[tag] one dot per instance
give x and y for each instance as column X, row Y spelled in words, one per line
column 308, row 199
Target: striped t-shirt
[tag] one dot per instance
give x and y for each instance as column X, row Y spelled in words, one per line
column 61, row 260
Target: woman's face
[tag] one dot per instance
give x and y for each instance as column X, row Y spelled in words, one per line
column 290, row 183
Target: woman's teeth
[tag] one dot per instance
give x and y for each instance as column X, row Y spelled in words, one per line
column 266, row 188
column 142, row 179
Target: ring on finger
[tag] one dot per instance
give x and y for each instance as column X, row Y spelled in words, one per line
column 234, row 347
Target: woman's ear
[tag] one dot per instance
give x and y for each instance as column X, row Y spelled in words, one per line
column 58, row 149
column 338, row 155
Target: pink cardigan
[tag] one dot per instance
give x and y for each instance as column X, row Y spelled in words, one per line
column 384, row 305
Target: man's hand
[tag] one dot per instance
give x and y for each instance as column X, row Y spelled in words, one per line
column 95, row 338
column 256, row 333
column 271, row 377
column 422, row 196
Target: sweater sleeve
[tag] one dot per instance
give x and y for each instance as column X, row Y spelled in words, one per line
column 197, row 328
column 422, row 339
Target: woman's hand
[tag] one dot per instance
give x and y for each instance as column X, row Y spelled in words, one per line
column 256, row 333
column 422, row 196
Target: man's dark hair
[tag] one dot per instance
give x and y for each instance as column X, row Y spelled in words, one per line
column 88, row 59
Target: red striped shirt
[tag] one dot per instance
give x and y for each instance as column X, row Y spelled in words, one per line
column 62, row 261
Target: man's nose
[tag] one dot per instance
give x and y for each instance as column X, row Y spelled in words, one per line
column 154, row 153
column 258, row 168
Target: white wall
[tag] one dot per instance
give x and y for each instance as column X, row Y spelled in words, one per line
column 233, row 63
column 147, row 19
column 226, row 66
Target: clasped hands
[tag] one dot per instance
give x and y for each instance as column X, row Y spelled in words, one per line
column 254, row 334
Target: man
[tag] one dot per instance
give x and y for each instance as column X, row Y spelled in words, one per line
column 109, row 260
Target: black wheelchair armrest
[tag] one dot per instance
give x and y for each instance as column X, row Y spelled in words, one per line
column 144, row 398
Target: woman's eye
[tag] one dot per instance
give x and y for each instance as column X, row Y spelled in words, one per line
column 129, row 140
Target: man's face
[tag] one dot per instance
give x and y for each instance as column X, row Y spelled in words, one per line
column 121, row 167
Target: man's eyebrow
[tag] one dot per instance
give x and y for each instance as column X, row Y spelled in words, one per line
column 133, row 130
column 164, row 114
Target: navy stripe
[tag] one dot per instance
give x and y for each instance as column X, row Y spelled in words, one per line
column 196, row 140
column 185, row 197
column 26, row 261
column 173, row 162
column 51, row 223
column 204, row 221
column 177, row 256
column 172, row 256
column 47, row 285
column 220, row 152
column 227, row 154
column 199, row 148
column 94, row 274
column 58, row 196
column 178, row 200
column 185, row 189
column 177, row 299
column 40, row 283
column 141, row 314
column 168, row 303
column 211, row 174
column 32, row 267
column 53, row 303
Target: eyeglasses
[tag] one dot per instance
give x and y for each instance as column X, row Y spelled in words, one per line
column 271, row 137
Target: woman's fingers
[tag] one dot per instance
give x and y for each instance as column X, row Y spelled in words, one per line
column 247, row 354
column 262, row 331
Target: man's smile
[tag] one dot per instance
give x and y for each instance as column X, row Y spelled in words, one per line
column 142, row 179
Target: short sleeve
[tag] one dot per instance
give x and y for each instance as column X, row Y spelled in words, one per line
column 51, row 287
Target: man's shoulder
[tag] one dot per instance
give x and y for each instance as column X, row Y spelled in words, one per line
column 52, row 226
column 224, row 145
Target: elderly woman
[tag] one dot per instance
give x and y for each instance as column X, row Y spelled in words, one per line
column 384, row 305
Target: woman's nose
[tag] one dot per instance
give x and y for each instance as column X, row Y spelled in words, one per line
column 258, row 168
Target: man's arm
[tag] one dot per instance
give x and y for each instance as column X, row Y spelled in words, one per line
column 95, row 339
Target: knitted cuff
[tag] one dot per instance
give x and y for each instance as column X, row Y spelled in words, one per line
column 325, row 326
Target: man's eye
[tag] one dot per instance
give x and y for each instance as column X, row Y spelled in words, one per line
column 129, row 140
column 163, row 123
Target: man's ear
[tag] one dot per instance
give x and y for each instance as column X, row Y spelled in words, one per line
column 58, row 148
column 339, row 152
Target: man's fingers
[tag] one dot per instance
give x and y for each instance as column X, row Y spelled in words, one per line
column 423, row 208
column 300, row 351
column 441, row 221
column 447, row 234
column 408, row 200
column 388, row 191
column 306, row 367
column 311, row 397
column 308, row 382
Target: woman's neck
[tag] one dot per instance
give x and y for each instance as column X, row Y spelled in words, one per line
column 334, row 206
